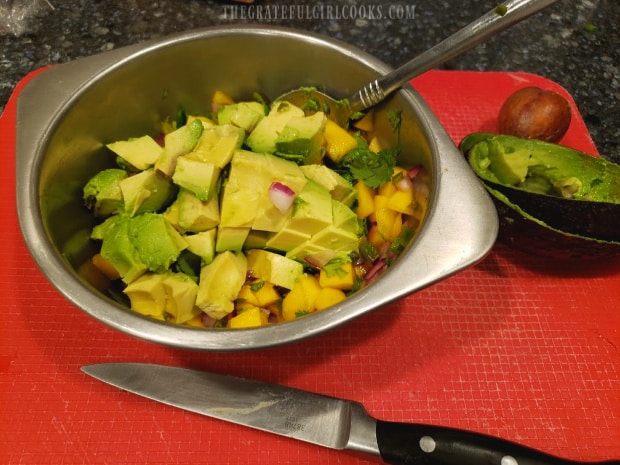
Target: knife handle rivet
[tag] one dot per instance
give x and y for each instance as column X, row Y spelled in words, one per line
column 508, row 460
column 427, row 444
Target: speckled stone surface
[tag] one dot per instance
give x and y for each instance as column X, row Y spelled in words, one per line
column 574, row 42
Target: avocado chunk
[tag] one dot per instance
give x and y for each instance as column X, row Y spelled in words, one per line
column 339, row 188
column 146, row 191
column 301, row 139
column 229, row 238
column 177, row 143
column 202, row 244
column 139, row 152
column 194, row 215
column 245, row 115
column 263, row 137
column 566, row 189
column 102, row 193
column 197, row 176
column 119, row 250
column 274, row 268
column 217, row 144
column 168, row 296
column 312, row 209
column 156, row 241
column 220, row 283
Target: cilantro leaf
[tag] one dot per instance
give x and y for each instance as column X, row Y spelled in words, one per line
column 374, row 169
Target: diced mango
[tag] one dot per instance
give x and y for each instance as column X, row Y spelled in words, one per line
column 246, row 298
column 380, row 202
column 366, row 123
column 374, row 237
column 328, row 297
column 94, row 276
column 220, row 99
column 401, row 201
column 397, row 226
column 387, row 189
column 343, row 279
column 267, row 295
column 105, row 267
column 302, row 298
column 338, row 142
column 375, row 145
column 385, row 222
column 365, row 200
column 249, row 318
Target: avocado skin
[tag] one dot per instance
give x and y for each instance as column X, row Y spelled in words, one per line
column 523, row 232
column 547, row 225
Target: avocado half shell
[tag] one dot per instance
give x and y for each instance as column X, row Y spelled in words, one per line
column 534, row 217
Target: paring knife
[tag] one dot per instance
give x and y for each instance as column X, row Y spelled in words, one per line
column 326, row 421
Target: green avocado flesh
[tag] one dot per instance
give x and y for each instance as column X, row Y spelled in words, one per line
column 566, row 190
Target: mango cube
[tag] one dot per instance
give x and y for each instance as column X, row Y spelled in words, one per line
column 249, row 318
column 365, row 200
column 328, row 297
column 401, row 201
column 301, row 299
column 338, row 142
column 342, row 279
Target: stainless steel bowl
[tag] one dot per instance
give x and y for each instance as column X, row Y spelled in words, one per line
column 67, row 113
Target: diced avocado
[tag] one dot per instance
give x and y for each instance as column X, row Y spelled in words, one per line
column 202, row 244
column 339, row 188
column 146, row 191
column 139, row 152
column 147, row 295
column 336, row 239
column 155, row 240
column 220, row 283
column 181, row 293
column 286, row 239
column 345, row 219
column 118, row 249
column 217, row 144
column 301, row 139
column 263, row 137
column 197, row 176
column 242, row 191
column 102, row 193
column 177, row 143
column 245, row 115
column 312, row 209
column 256, row 239
column 169, row 296
column 274, row 268
column 195, row 215
column 229, row 238
column 98, row 230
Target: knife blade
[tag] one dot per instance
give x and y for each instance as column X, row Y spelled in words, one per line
column 315, row 418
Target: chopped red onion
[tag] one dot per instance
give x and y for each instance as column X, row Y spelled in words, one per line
column 281, row 196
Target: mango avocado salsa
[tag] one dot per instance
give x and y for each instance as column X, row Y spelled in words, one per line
column 249, row 216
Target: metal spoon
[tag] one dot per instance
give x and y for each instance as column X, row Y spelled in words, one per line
column 501, row 17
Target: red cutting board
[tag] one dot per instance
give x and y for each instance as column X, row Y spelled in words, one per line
column 516, row 347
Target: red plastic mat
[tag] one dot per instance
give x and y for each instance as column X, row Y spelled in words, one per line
column 516, row 347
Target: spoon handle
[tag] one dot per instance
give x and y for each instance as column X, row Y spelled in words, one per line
column 501, row 17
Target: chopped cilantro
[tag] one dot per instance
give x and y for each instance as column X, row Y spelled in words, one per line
column 501, row 9
column 394, row 117
column 257, row 286
column 400, row 242
column 334, row 267
column 300, row 313
column 375, row 169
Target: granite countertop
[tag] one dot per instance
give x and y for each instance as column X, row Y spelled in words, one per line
column 574, row 42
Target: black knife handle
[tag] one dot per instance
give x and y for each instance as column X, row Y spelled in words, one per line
column 410, row 443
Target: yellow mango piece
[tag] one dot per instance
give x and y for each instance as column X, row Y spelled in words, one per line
column 267, row 295
column 375, row 238
column 94, row 276
column 401, row 201
column 249, row 318
column 328, row 297
column 387, row 189
column 366, row 123
column 397, row 226
column 342, row 280
column 195, row 322
column 375, row 145
column 380, row 202
column 385, row 222
column 365, row 200
column 302, row 298
column 105, row 267
column 338, row 142
column 221, row 98
column 246, row 298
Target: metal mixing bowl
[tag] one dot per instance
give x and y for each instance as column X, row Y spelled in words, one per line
column 67, row 113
